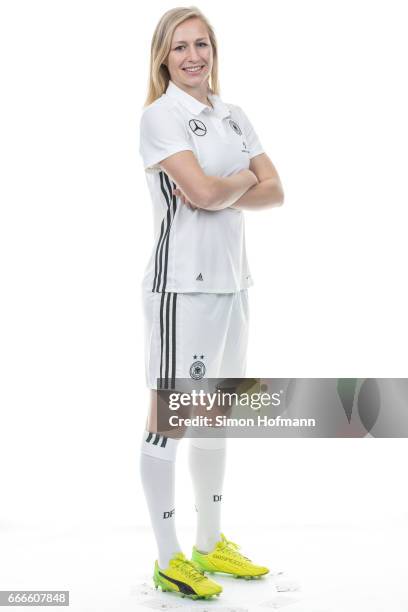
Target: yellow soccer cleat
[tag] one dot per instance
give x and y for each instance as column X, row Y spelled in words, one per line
column 184, row 577
column 225, row 558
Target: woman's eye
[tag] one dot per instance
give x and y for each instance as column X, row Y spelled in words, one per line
column 199, row 44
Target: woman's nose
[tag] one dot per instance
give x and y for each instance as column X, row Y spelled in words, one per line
column 193, row 54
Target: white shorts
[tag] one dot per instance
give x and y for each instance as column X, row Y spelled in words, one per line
column 194, row 336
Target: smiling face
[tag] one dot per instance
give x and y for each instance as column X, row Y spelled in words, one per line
column 190, row 58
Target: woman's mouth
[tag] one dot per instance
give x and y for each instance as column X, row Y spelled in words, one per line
column 194, row 69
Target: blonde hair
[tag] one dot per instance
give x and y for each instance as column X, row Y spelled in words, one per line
column 159, row 76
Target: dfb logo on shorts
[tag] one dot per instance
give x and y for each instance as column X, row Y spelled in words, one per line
column 168, row 514
column 197, row 370
column 217, row 498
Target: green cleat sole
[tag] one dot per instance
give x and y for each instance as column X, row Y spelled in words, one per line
column 237, row 576
column 249, row 577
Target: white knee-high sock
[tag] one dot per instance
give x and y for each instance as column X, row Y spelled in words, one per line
column 157, row 469
column 207, row 460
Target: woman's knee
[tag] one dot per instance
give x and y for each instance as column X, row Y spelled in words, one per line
column 158, row 416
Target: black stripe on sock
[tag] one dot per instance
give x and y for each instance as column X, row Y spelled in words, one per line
column 157, row 438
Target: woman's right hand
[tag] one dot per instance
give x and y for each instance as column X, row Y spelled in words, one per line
column 178, row 193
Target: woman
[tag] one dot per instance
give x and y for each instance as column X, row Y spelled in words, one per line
column 204, row 165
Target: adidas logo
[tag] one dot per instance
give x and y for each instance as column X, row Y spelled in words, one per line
column 200, row 277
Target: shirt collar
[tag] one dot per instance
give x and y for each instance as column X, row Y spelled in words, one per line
column 196, row 107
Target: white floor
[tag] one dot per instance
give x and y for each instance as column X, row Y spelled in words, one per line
column 340, row 569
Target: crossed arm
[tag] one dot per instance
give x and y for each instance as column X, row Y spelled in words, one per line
column 257, row 188
column 268, row 191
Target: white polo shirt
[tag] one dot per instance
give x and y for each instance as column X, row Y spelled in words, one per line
column 195, row 250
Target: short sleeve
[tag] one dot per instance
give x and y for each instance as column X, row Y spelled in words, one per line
column 252, row 140
column 162, row 133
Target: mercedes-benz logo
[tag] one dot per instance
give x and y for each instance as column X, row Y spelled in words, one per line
column 235, row 127
column 197, row 127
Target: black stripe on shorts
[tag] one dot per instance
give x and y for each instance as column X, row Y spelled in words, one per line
column 168, row 330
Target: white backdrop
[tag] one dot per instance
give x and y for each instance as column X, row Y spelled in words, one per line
column 323, row 83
